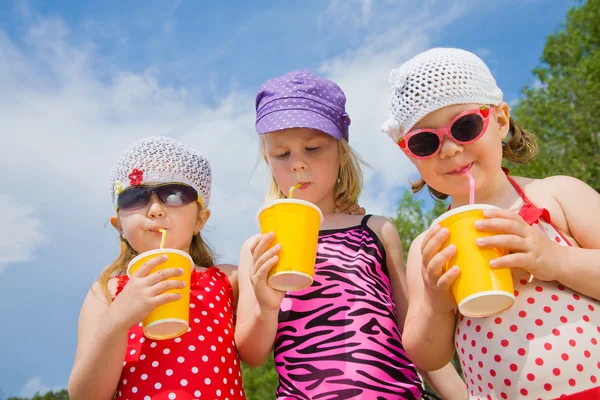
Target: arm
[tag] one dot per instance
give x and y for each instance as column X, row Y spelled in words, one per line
column 258, row 308
column 580, row 267
column 232, row 274
column 103, row 328
column 577, row 268
column 100, row 351
column 446, row 381
column 428, row 330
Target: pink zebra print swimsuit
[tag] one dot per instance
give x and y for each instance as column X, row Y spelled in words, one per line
column 339, row 338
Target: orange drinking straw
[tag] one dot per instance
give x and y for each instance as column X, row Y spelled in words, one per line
column 164, row 237
column 291, row 192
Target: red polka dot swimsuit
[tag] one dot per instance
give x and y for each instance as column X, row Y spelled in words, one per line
column 544, row 347
column 202, row 363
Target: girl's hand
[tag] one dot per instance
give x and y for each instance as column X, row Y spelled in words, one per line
column 353, row 209
column 143, row 293
column 528, row 248
column 263, row 259
column 437, row 283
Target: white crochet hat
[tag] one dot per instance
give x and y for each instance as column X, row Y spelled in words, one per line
column 160, row 160
column 435, row 79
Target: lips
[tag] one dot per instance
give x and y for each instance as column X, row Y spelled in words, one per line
column 461, row 170
column 156, row 230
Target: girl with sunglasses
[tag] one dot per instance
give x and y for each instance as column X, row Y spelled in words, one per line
column 158, row 183
column 448, row 117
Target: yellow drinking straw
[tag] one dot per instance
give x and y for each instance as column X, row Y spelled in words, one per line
column 164, row 237
column 291, row 192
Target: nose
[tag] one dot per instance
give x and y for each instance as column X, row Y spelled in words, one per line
column 156, row 209
column 298, row 164
column 449, row 148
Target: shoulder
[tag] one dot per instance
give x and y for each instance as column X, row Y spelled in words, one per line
column 558, row 194
column 229, row 270
column 113, row 286
column 554, row 186
column 385, row 229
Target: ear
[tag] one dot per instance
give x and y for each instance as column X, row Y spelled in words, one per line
column 114, row 221
column 502, row 118
column 203, row 217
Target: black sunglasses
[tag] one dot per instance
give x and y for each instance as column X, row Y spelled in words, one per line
column 170, row 194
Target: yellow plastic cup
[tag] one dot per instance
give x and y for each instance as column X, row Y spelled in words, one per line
column 479, row 290
column 171, row 319
column 296, row 226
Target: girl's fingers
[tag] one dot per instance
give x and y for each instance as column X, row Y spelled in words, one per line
column 149, row 265
column 510, row 242
column 446, row 280
column 438, row 262
column 432, row 246
column 162, row 274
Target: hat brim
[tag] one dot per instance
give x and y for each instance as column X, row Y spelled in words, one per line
column 288, row 119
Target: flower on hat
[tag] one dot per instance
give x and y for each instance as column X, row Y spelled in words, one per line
column 346, row 119
column 392, row 128
column 399, row 76
column 118, row 187
column 136, row 176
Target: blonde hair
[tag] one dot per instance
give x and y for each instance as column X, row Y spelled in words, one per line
column 350, row 177
column 200, row 251
column 520, row 149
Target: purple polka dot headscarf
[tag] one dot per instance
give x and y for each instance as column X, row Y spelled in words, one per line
column 300, row 99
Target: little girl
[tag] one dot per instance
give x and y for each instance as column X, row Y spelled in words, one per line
column 341, row 337
column 158, row 183
column 448, row 116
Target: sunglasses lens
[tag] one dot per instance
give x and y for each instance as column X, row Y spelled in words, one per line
column 423, row 144
column 133, row 197
column 467, row 128
column 176, row 194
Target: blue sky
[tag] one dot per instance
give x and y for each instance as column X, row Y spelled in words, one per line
column 81, row 80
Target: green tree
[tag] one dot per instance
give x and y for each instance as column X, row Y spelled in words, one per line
column 412, row 218
column 260, row 383
column 562, row 105
column 52, row 395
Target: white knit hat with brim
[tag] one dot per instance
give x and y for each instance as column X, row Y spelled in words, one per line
column 435, row 79
column 156, row 160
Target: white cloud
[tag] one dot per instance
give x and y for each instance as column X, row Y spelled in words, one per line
column 362, row 74
column 354, row 11
column 67, row 122
column 20, row 235
column 34, row 385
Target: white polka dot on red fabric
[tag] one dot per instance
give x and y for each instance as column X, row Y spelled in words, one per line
column 172, row 396
column 157, row 385
column 183, row 382
column 194, row 370
column 207, row 381
column 169, row 372
column 197, row 393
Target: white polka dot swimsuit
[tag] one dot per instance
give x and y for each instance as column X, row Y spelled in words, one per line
column 544, row 347
column 202, row 363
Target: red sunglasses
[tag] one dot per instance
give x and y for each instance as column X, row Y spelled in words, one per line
column 466, row 127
